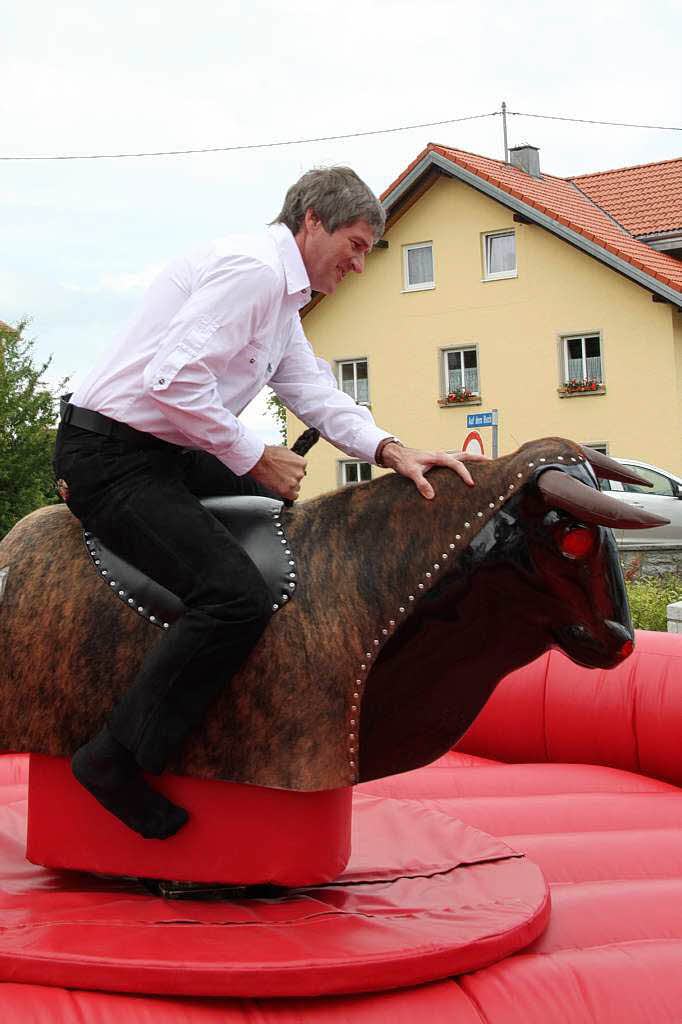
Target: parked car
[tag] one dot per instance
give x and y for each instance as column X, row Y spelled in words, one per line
column 664, row 498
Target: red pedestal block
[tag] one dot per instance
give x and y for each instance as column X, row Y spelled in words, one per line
column 423, row 897
column 236, row 835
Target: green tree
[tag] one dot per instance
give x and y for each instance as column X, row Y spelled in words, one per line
column 277, row 408
column 27, row 428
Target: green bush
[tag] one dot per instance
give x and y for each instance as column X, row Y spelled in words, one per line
column 27, row 428
column 649, row 599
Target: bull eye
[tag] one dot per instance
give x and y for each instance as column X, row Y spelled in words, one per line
column 575, row 541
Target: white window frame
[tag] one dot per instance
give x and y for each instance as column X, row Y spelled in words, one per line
column 427, row 285
column 354, row 362
column 599, row 446
column 444, row 375
column 582, row 336
column 343, row 464
column 502, row 274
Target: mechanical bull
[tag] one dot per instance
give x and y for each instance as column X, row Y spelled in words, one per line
column 402, row 616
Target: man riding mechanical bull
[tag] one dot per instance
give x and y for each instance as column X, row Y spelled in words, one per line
column 153, row 428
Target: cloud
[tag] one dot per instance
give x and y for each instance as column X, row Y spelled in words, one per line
column 117, row 283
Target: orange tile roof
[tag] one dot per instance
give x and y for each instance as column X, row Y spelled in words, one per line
column 564, row 202
column 646, row 199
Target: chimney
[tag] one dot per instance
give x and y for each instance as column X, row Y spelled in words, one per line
column 526, row 158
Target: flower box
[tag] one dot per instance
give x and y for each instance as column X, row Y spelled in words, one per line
column 581, row 387
column 461, row 396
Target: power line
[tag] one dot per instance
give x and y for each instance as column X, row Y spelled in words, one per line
column 585, row 120
column 257, row 145
column 348, row 135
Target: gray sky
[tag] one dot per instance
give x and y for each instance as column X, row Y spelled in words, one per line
column 82, row 238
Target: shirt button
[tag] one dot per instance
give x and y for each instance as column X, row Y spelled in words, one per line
column 162, row 380
column 252, row 360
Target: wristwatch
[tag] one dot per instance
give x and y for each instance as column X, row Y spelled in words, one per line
column 380, row 448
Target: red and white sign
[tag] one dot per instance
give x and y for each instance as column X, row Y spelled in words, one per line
column 473, row 442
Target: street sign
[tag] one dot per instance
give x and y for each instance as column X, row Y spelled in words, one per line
column 485, row 419
column 482, row 419
column 473, row 442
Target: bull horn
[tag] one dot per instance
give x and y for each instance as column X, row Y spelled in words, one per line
column 305, row 441
column 592, row 506
column 608, row 469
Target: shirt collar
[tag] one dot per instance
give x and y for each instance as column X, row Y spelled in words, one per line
column 292, row 261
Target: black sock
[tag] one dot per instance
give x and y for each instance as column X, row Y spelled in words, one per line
column 109, row 771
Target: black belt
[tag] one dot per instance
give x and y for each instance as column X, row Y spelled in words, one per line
column 87, row 419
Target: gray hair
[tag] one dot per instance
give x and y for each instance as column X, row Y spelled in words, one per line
column 338, row 197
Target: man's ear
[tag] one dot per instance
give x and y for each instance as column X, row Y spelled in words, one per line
column 311, row 220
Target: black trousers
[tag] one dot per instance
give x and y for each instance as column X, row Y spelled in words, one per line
column 140, row 497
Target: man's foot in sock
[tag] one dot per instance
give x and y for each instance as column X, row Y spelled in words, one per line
column 109, row 771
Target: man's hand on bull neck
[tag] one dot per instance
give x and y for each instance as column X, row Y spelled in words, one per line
column 412, row 463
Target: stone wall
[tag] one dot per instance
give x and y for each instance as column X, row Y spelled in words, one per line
column 639, row 563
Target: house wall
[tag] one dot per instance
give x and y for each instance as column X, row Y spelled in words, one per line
column 516, row 324
column 676, row 319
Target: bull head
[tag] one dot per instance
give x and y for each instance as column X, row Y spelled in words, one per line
column 593, row 624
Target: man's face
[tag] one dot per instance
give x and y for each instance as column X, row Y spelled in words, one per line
column 329, row 257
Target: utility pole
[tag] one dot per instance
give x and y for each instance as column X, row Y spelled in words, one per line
column 504, row 129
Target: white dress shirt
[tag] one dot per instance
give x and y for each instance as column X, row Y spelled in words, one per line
column 214, row 328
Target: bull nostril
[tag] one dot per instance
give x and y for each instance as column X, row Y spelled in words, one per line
column 619, row 631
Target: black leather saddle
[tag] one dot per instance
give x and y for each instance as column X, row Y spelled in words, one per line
column 254, row 521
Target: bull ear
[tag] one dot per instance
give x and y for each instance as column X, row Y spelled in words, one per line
column 608, row 469
column 560, row 490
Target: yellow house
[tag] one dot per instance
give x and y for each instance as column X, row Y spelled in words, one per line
column 499, row 287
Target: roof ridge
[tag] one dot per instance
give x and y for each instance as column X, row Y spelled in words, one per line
column 629, row 167
column 601, row 209
column 502, row 163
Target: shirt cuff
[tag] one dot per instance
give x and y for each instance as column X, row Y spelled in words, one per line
column 243, row 455
column 366, row 442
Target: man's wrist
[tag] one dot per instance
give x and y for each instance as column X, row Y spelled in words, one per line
column 379, row 454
